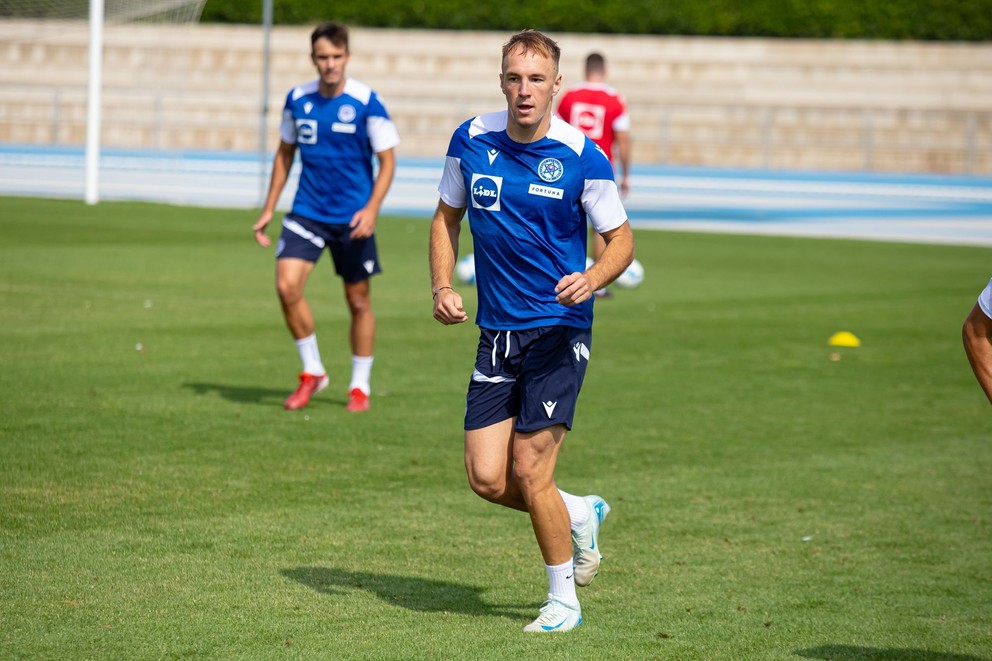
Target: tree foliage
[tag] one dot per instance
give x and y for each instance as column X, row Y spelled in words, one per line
column 937, row 20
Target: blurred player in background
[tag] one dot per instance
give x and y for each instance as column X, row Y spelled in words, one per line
column 338, row 125
column 600, row 112
column 977, row 334
column 528, row 181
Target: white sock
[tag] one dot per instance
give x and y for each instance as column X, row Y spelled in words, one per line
column 561, row 580
column 310, row 355
column 361, row 373
column 578, row 509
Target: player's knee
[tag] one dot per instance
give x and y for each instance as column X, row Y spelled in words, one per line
column 359, row 303
column 531, row 475
column 487, row 485
column 491, row 491
column 289, row 291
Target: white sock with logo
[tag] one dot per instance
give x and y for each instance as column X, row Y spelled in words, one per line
column 561, row 580
column 578, row 509
column 310, row 355
column 361, row 373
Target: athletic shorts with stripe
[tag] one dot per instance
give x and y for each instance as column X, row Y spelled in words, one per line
column 354, row 259
column 534, row 375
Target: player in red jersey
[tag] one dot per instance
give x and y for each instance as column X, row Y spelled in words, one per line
column 600, row 112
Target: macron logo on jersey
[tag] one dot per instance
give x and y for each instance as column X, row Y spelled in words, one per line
column 485, row 191
column 493, row 153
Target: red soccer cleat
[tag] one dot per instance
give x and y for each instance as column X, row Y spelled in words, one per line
column 357, row 400
column 309, row 385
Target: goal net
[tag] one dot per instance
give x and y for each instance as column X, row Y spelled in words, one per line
column 42, row 97
column 115, row 11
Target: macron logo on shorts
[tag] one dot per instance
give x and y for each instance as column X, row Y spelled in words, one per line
column 581, row 351
column 369, row 265
column 549, row 407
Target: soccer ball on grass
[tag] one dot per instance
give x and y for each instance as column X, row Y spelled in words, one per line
column 465, row 269
column 632, row 277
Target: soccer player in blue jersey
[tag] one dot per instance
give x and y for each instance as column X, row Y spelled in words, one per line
column 529, row 182
column 339, row 125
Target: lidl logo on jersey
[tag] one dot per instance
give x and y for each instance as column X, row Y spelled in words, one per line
column 485, row 191
column 306, row 131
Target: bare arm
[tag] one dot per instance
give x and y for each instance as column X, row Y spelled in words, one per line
column 363, row 222
column 977, row 335
column 445, row 229
column 281, row 165
column 623, row 146
column 579, row 287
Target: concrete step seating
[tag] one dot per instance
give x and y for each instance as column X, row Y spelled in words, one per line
column 690, row 98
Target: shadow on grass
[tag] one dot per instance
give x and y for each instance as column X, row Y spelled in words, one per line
column 252, row 395
column 418, row 594
column 857, row 653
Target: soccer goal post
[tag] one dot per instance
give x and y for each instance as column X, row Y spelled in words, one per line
column 99, row 12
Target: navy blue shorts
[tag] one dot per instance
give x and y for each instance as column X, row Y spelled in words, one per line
column 354, row 259
column 533, row 375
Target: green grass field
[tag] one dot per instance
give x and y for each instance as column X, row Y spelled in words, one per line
column 769, row 502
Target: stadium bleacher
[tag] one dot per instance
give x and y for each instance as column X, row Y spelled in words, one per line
column 830, row 105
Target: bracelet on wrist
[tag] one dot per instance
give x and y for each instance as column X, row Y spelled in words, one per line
column 438, row 291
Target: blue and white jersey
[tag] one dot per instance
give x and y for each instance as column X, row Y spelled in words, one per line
column 336, row 138
column 528, row 205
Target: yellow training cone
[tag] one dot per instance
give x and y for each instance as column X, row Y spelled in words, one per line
column 844, row 339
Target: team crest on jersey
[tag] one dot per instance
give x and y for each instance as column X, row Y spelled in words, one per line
column 550, row 169
column 485, row 191
column 306, row 131
column 346, row 113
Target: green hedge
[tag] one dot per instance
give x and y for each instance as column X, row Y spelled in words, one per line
column 943, row 20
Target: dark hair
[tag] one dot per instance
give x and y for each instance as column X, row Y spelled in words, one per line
column 532, row 40
column 333, row 31
column 595, row 63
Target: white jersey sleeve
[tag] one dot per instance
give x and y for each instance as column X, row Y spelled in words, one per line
column 601, row 201
column 382, row 134
column 622, row 123
column 452, row 186
column 985, row 300
column 287, row 129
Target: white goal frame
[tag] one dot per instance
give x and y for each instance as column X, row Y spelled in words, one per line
column 94, row 95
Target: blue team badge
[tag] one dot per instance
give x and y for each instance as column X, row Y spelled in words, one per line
column 485, row 191
column 346, row 113
column 550, row 169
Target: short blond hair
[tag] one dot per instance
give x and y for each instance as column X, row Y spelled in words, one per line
column 532, row 41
